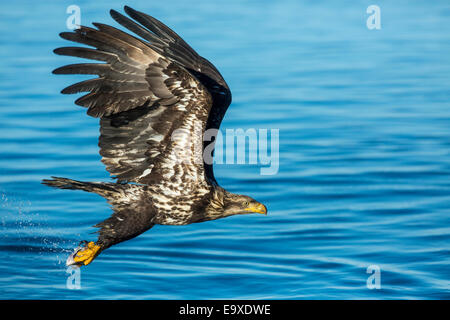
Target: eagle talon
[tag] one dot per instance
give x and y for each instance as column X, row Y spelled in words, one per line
column 83, row 254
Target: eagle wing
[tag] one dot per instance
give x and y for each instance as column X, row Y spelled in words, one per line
column 154, row 97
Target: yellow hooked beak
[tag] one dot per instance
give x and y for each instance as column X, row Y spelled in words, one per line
column 258, row 208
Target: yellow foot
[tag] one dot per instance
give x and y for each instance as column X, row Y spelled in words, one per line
column 84, row 255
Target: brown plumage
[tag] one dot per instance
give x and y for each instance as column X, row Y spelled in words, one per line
column 155, row 97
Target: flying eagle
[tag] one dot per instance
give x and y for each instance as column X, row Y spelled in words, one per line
column 149, row 88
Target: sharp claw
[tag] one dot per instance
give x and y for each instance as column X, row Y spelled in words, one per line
column 83, row 254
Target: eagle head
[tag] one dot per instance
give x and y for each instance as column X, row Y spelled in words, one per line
column 224, row 204
column 242, row 204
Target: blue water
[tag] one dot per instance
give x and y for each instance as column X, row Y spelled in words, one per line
column 364, row 170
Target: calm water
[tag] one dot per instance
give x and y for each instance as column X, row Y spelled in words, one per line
column 364, row 156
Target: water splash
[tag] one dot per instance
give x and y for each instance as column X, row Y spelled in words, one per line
column 25, row 230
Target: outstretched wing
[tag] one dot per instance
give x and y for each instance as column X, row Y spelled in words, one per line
column 169, row 44
column 152, row 98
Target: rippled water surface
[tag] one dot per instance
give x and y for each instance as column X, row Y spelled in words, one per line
column 364, row 164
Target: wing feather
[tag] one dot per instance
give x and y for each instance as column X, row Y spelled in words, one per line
column 147, row 91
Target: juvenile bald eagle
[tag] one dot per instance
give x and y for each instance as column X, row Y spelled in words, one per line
column 148, row 88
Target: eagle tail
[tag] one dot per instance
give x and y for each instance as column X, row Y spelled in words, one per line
column 107, row 190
